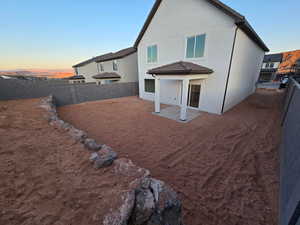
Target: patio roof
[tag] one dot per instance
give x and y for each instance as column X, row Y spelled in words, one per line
column 76, row 77
column 180, row 68
column 107, row 75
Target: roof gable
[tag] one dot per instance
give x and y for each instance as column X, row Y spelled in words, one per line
column 239, row 19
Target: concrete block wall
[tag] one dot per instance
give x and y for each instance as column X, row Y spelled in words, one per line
column 65, row 93
column 290, row 158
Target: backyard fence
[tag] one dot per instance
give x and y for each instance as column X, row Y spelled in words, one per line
column 290, row 157
column 64, row 93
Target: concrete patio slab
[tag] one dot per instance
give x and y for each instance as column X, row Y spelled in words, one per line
column 173, row 113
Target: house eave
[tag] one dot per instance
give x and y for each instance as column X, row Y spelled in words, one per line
column 182, row 77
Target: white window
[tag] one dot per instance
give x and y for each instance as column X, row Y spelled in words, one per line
column 195, row 46
column 152, row 54
column 115, row 65
column 100, row 67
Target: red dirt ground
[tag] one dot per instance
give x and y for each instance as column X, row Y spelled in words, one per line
column 225, row 168
column 46, row 178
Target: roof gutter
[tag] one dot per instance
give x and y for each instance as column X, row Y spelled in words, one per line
column 245, row 26
column 229, row 70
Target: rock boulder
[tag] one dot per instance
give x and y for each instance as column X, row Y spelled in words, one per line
column 106, row 157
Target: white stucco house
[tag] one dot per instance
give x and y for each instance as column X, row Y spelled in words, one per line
column 120, row 67
column 199, row 54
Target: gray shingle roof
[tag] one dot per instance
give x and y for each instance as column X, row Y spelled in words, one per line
column 117, row 55
column 273, row 57
column 180, row 68
column 94, row 59
column 106, row 75
column 76, row 77
column 109, row 56
column 268, row 70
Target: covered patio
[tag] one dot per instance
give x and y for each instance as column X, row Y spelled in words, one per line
column 106, row 78
column 185, row 72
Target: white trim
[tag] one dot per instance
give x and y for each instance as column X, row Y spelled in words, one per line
column 184, row 99
column 157, row 95
column 152, row 63
column 183, row 77
column 205, row 46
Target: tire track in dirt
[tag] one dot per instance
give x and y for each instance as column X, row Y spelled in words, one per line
column 223, row 167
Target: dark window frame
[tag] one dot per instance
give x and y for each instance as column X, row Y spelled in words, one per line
column 101, row 67
column 149, row 87
column 115, row 65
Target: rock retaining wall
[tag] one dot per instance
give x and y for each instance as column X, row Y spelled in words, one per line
column 146, row 201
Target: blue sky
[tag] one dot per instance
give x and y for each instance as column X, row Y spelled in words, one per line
column 57, row 34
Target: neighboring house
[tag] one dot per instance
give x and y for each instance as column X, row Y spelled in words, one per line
column 197, row 54
column 120, row 66
column 288, row 62
column 88, row 68
column 270, row 67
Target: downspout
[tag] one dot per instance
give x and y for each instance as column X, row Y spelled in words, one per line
column 229, row 70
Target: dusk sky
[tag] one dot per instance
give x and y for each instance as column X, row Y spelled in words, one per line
column 57, row 34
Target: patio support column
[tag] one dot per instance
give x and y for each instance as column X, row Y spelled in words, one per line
column 157, row 95
column 184, row 99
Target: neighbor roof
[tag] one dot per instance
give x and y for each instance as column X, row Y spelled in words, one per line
column 76, row 77
column 268, row 70
column 117, row 55
column 109, row 56
column 106, row 76
column 92, row 60
column 180, row 68
column 240, row 21
column 273, row 57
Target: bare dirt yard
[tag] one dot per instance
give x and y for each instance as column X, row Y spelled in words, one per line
column 225, row 168
column 45, row 177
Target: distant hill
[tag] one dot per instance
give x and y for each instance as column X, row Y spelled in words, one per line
column 39, row 73
column 289, row 59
